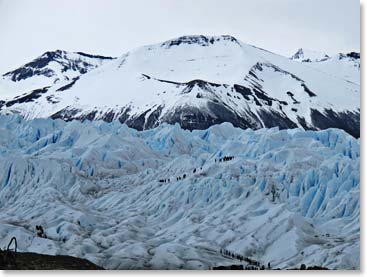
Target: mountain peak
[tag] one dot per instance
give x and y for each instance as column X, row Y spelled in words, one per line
column 64, row 61
column 305, row 55
column 196, row 81
column 351, row 55
column 198, row 39
column 53, row 53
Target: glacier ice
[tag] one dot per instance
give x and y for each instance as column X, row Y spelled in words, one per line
column 288, row 197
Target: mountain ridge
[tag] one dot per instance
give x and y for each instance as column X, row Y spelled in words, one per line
column 49, row 68
column 199, row 81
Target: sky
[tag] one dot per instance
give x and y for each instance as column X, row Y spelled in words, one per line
column 113, row 27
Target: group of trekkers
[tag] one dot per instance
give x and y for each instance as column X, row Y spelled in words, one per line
column 255, row 265
column 40, row 231
column 164, row 180
column 252, row 264
column 178, row 178
column 224, row 159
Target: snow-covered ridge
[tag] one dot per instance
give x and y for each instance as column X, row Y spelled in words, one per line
column 305, row 55
column 287, row 197
column 50, row 68
column 343, row 65
column 198, row 40
column 198, row 81
column 80, row 62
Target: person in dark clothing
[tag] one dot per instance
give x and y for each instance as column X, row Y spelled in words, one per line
column 40, row 232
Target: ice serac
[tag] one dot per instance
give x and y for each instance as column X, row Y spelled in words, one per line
column 199, row 81
column 288, row 197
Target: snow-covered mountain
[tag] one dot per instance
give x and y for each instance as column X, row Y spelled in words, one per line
column 48, row 69
column 288, row 197
column 198, row 81
column 343, row 66
column 305, row 55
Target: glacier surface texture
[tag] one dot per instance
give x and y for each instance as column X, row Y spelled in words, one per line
column 164, row 199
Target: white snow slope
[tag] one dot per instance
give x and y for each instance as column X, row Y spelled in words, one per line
column 306, row 55
column 343, row 66
column 46, row 70
column 199, row 81
column 94, row 187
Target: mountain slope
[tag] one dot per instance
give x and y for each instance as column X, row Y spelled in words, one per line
column 305, row 55
column 198, row 81
column 288, row 197
column 50, row 68
column 343, row 66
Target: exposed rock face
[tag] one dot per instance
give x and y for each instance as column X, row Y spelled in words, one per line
column 35, row 261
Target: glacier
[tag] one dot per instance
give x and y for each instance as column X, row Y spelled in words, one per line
column 111, row 194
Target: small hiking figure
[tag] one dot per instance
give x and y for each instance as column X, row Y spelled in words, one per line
column 40, row 232
column 268, row 265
